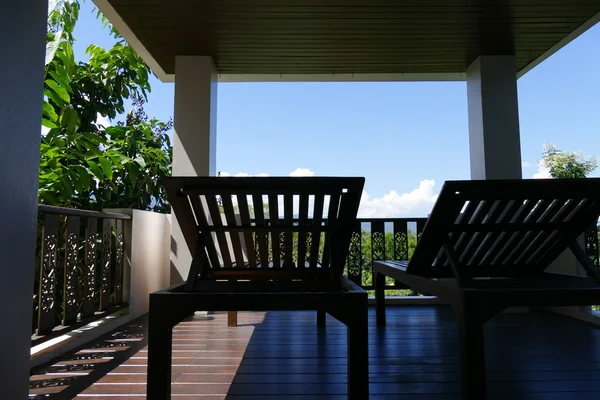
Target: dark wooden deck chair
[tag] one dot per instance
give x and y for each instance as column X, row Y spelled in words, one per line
column 494, row 240
column 261, row 244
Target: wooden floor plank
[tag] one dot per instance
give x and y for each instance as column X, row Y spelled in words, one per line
column 285, row 355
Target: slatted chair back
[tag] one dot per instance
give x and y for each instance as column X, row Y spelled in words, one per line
column 265, row 228
column 504, row 228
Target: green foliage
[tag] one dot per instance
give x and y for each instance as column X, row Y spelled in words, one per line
column 84, row 164
column 567, row 165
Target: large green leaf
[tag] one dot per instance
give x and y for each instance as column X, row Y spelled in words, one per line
column 140, row 161
column 84, row 177
column 48, row 124
column 96, row 170
column 50, row 94
column 49, row 112
column 69, row 119
column 106, row 167
column 59, row 90
column 61, row 79
column 52, row 47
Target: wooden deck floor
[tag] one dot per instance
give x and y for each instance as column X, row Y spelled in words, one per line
column 283, row 355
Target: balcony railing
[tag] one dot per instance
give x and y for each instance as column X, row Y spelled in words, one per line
column 381, row 239
column 395, row 239
column 80, row 262
column 79, row 268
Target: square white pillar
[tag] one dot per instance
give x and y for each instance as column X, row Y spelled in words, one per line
column 194, row 139
column 494, row 139
column 21, row 88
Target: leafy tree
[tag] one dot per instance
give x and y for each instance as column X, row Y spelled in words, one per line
column 84, row 164
column 562, row 164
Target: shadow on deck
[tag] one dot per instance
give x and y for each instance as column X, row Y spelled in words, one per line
column 283, row 355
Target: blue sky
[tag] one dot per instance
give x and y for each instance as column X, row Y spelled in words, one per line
column 406, row 138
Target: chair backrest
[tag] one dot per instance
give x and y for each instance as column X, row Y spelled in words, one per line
column 272, row 228
column 504, row 228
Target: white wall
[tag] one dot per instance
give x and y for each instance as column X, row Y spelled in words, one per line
column 22, row 49
column 149, row 258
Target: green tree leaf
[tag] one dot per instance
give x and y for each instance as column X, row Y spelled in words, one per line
column 140, row 161
column 69, row 119
column 59, row 90
column 48, row 123
column 48, row 111
column 106, row 167
column 80, row 165
column 96, row 170
column 54, row 97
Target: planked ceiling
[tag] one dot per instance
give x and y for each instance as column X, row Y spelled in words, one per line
column 350, row 36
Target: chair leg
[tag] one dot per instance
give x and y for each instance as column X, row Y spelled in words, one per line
column 232, row 318
column 358, row 353
column 321, row 318
column 380, row 298
column 159, row 358
column 472, row 355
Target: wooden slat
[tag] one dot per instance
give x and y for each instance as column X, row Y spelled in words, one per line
column 202, row 222
column 105, row 264
column 248, row 239
column 524, row 238
column 283, row 229
column 274, row 222
column 215, row 216
column 460, row 241
column 302, row 221
column 511, row 238
column 490, row 238
column 119, row 261
column 476, row 238
column 71, row 275
column 89, row 270
column 234, row 236
column 497, row 241
column 332, row 215
column 316, row 235
column 288, row 215
column 261, row 237
column 583, row 220
column 48, row 271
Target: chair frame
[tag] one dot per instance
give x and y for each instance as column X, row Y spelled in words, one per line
column 251, row 287
column 518, row 228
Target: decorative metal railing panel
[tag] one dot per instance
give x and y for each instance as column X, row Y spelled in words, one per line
column 71, row 287
column 381, row 239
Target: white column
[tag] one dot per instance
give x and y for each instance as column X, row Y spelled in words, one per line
column 21, row 87
column 195, row 137
column 494, row 138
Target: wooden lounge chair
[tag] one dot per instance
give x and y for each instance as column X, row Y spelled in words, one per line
column 245, row 261
column 494, row 241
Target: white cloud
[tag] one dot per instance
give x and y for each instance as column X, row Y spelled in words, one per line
column 45, row 130
column 302, row 172
column 100, row 120
column 525, row 164
column 542, row 172
column 417, row 203
column 241, row 174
